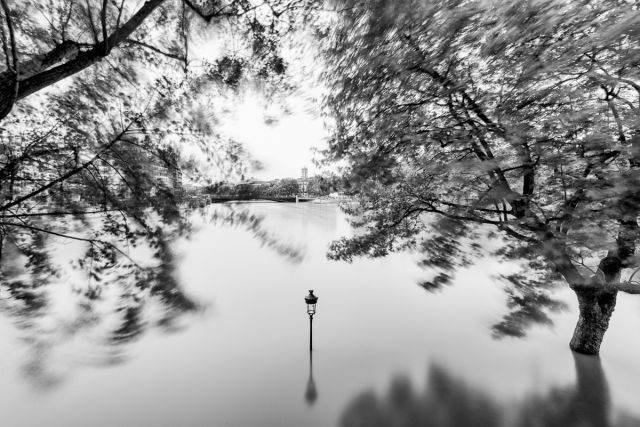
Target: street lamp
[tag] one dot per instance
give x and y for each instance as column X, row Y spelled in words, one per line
column 311, row 301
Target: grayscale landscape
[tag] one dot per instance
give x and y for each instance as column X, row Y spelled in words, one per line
column 349, row 213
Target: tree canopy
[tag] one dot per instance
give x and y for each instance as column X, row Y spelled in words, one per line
column 453, row 116
column 105, row 110
column 46, row 42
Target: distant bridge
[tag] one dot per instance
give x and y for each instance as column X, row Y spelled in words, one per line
column 208, row 198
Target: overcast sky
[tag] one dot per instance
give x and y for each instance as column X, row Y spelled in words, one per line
column 283, row 147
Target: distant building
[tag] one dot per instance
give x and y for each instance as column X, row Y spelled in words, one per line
column 105, row 179
column 160, row 166
column 166, row 172
column 303, row 183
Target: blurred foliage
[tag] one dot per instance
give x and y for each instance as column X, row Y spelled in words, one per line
column 451, row 116
column 101, row 304
column 239, row 217
column 106, row 109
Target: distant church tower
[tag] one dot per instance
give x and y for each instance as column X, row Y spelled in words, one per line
column 303, row 183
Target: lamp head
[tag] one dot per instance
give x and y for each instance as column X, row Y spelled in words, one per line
column 311, row 301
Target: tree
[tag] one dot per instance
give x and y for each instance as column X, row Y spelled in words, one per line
column 104, row 132
column 131, row 107
column 286, row 187
column 102, row 104
column 110, row 311
column 454, row 116
column 46, row 42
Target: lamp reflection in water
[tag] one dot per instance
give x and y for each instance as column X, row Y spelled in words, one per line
column 311, row 393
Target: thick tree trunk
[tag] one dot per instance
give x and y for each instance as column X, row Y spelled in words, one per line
column 596, row 308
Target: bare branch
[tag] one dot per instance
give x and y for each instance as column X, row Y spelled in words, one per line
column 628, row 287
column 67, row 236
column 92, row 25
column 65, row 176
column 156, row 50
column 65, row 24
column 220, row 13
column 57, row 213
column 616, row 116
column 103, row 21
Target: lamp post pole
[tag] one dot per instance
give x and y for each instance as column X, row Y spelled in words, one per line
column 310, row 332
column 311, row 301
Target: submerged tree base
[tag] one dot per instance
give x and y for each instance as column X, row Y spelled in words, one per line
column 596, row 308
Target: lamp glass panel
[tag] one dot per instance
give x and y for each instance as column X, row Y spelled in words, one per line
column 311, row 308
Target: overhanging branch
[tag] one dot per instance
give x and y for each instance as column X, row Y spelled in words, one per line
column 48, row 74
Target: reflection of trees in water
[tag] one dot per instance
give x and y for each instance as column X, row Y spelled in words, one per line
column 238, row 216
column 530, row 296
column 66, row 293
column 91, row 304
column 450, row 402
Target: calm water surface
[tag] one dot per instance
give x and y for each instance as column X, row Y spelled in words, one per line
column 387, row 353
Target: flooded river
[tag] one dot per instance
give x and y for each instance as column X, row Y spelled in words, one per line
column 386, row 352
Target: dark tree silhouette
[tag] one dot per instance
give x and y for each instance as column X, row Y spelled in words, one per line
column 450, row 402
column 109, row 305
column 456, row 115
column 102, row 103
column 113, row 137
column 46, row 42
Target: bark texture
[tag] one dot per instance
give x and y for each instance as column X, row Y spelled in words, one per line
column 596, row 308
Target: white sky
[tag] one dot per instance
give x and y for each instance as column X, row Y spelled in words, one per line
column 283, row 147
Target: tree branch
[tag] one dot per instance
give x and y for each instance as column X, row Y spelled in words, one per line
column 219, row 12
column 155, row 49
column 67, row 236
column 65, row 176
column 56, row 213
column 92, row 25
column 11, row 85
column 616, row 116
column 48, row 74
column 103, row 21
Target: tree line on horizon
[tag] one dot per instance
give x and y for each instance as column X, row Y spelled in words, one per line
column 317, row 186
